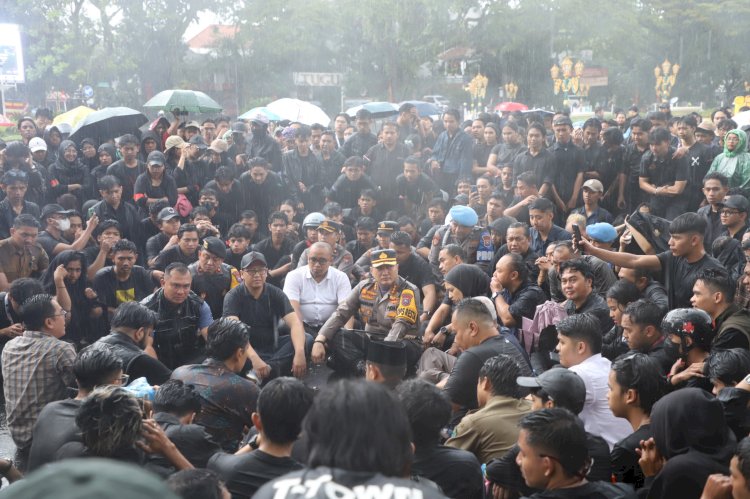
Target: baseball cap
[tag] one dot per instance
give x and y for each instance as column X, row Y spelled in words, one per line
column 192, row 124
column 563, row 386
column 594, row 185
column 219, row 146
column 387, row 227
column 251, row 258
column 156, row 158
column 388, row 353
column 215, row 246
column 736, row 202
column 12, row 176
column 563, row 120
column 239, row 127
column 383, row 257
column 197, row 140
column 167, row 214
column 37, row 144
column 173, row 141
column 54, row 209
column 260, row 118
column 602, row 232
column 330, row 226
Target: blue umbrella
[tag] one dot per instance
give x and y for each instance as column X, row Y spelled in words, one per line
column 424, row 108
column 378, row 109
column 260, row 110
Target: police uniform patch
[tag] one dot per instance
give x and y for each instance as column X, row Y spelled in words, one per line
column 407, row 310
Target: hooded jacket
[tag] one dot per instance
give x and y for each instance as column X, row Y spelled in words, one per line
column 63, row 173
column 691, row 432
column 735, row 165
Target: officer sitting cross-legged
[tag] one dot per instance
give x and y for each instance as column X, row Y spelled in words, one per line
column 386, row 305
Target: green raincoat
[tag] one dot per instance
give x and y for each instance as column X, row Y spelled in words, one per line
column 735, row 165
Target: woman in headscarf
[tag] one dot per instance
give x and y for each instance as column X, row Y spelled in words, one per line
column 106, row 154
column 89, row 156
column 691, row 441
column 69, row 175
column 85, row 325
column 53, row 137
column 734, row 162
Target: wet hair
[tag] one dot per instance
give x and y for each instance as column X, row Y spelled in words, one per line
column 332, row 209
column 124, row 245
column 688, row 223
column 623, row 292
column 223, row 174
column 558, row 433
column 186, row 228
column 438, row 203
column 177, row 398
column 108, row 182
column 155, row 208
column 257, row 161
column 278, row 215
column 718, row 280
column 95, row 365
column 612, row 136
column 107, row 224
column 592, row 123
column 517, row 264
column 249, row 214
column 577, row 265
column 659, row 135
column 723, row 180
column 25, row 220
column 359, row 426
column 729, row 366
column 688, row 120
column 282, row 405
column 643, row 374
column 354, row 162
column 133, row 315
column 400, row 238
column 643, row 125
column 196, row 483
column 727, row 125
column 128, row 140
column 224, row 337
column 239, row 230
column 36, row 310
column 542, row 204
column 528, row 178
column 24, row 288
column 110, row 421
column 502, row 372
column 176, row 268
column 645, row 312
column 453, row 112
column 583, row 327
column 455, row 250
column 412, row 160
column 428, row 409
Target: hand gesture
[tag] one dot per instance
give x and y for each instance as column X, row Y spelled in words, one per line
column 651, row 460
column 93, row 222
column 90, row 294
column 155, row 441
column 718, row 486
column 60, row 275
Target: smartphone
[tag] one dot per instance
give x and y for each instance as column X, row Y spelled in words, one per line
column 577, row 237
column 473, row 188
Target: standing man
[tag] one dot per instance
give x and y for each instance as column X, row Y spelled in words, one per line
column 21, row 255
column 183, row 317
column 274, row 350
column 385, row 161
column 664, row 177
column 316, row 289
column 262, row 145
column 564, row 184
column 129, row 167
column 331, row 159
column 340, row 124
column 37, row 367
column 113, row 207
column 303, row 171
column 715, row 189
column 734, row 216
column 453, row 154
column 363, row 139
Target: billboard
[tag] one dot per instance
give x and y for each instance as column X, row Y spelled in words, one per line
column 11, row 54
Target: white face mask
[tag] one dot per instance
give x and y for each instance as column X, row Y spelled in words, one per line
column 63, row 224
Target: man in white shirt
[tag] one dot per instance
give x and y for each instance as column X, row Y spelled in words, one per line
column 316, row 289
column 579, row 342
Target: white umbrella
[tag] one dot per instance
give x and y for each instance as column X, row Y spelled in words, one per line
column 299, row 110
column 742, row 118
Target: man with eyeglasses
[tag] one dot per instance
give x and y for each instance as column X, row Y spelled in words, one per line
column 274, row 350
column 733, row 212
column 316, row 289
column 37, row 367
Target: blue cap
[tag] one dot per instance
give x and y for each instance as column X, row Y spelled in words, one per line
column 463, row 215
column 602, row 232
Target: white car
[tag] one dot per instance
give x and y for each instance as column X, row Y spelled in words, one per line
column 442, row 102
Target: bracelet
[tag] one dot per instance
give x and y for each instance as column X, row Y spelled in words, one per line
column 322, row 342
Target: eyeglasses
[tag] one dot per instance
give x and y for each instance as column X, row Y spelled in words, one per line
column 63, row 313
column 729, row 212
column 319, row 261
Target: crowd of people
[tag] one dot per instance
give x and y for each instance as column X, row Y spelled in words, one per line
column 509, row 306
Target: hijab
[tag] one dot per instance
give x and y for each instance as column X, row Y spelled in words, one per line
column 469, row 279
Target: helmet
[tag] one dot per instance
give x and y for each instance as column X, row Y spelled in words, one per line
column 312, row 220
column 690, row 323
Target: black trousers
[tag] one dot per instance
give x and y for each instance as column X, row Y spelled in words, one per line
column 349, row 348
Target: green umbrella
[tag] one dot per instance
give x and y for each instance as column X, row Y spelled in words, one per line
column 188, row 101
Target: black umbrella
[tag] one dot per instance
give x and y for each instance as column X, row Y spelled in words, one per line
column 107, row 124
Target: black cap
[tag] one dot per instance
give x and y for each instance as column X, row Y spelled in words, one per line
column 215, row 246
column 239, row 127
column 737, row 202
column 54, row 209
column 12, row 176
column 251, row 258
column 388, row 353
column 156, row 158
column 500, row 225
column 563, row 386
column 562, row 120
column 197, row 140
column 167, row 214
column 387, row 227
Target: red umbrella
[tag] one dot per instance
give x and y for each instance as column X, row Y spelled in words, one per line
column 509, row 107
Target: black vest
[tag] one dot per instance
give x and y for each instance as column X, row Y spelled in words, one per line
column 124, row 347
column 176, row 333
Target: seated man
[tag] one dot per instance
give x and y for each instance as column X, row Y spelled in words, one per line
column 649, row 288
column 316, row 289
column 227, row 399
column 131, row 341
column 579, row 344
column 456, row 471
column 689, row 333
column 20, row 254
column 10, row 307
column 713, row 292
column 185, row 251
column 238, row 238
column 99, row 255
column 641, row 328
column 603, row 275
column 492, row 430
column 576, row 280
column 331, row 232
column 282, row 405
column 212, row 278
column 386, row 305
column 169, row 225
column 56, row 424
column 386, row 362
column 513, row 293
column 416, row 270
column 55, row 220
column 274, row 350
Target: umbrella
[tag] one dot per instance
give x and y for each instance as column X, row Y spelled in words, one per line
column 5, row 121
column 188, row 101
column 742, row 119
column 378, row 109
column 73, row 116
column 304, row 112
column 107, row 124
column 260, row 110
column 538, row 110
column 424, row 108
column 509, row 107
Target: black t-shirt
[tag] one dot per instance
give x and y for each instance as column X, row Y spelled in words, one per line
column 48, row 242
column 625, row 467
column 92, row 252
column 260, row 314
column 191, row 440
column 524, row 301
column 272, row 254
column 55, row 427
column 145, row 366
column 456, row 471
column 462, row 383
column 679, row 276
column 592, row 490
column 155, row 244
column 174, row 254
column 113, row 292
column 235, row 259
column 660, row 172
column 246, row 473
column 417, row 271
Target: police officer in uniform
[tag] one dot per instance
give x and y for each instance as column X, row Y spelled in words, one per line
column 212, row 278
column 386, row 305
column 462, row 230
column 329, row 232
column 183, row 318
